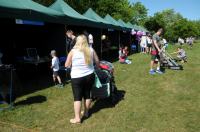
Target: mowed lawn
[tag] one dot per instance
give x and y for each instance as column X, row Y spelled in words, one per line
column 152, row 103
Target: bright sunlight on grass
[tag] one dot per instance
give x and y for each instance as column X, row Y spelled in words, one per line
column 158, row 103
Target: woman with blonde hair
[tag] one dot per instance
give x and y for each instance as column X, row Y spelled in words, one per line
column 80, row 59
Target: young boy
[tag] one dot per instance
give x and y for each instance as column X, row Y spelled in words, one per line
column 181, row 55
column 55, row 68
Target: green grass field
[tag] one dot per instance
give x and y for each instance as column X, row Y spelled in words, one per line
column 158, row 103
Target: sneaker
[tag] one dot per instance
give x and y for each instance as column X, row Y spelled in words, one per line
column 159, row 72
column 152, row 72
column 60, row 86
column 56, row 85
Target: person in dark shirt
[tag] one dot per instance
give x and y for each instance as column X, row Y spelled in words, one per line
column 70, row 40
column 155, row 50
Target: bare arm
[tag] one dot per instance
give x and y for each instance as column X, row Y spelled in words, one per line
column 52, row 64
column 68, row 62
column 96, row 58
column 174, row 53
column 156, row 45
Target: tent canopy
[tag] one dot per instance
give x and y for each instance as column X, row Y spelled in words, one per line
column 71, row 16
column 58, row 12
column 123, row 23
column 93, row 15
column 27, row 9
column 144, row 29
column 137, row 27
column 113, row 21
column 130, row 25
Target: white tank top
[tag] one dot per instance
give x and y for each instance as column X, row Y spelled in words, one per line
column 79, row 68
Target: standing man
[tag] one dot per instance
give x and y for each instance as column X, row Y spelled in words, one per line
column 156, row 49
column 70, row 40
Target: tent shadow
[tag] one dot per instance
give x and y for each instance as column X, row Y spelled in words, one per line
column 32, row 100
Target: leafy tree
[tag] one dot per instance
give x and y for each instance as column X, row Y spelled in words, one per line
column 139, row 13
column 119, row 9
column 197, row 25
column 116, row 8
column 45, row 2
column 166, row 18
column 185, row 28
column 82, row 5
column 172, row 22
column 152, row 24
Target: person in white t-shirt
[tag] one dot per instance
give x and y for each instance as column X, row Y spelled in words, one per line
column 55, row 67
column 143, row 43
column 90, row 40
column 149, row 43
column 80, row 59
column 165, row 42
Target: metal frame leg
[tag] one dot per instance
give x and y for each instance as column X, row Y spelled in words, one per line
column 10, row 92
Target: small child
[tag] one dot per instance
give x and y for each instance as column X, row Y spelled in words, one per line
column 123, row 56
column 55, row 67
column 181, row 55
column 125, row 51
column 165, row 43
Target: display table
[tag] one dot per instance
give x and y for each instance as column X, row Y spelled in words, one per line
column 34, row 61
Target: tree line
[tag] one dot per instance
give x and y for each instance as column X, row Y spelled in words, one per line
column 173, row 23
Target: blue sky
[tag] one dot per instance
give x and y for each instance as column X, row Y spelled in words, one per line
column 187, row 8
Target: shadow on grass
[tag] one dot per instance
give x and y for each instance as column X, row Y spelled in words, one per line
column 32, row 100
column 163, row 69
column 107, row 102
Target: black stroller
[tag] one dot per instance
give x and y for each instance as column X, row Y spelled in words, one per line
column 108, row 89
column 168, row 62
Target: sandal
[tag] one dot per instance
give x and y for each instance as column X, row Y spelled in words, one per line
column 74, row 121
